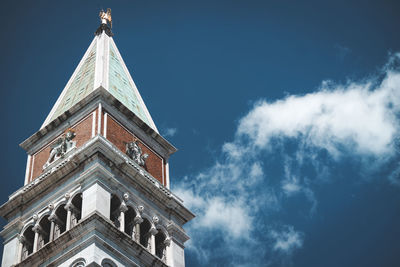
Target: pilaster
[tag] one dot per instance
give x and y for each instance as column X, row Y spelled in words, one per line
column 10, row 252
column 96, row 198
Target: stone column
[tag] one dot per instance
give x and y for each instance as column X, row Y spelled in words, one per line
column 56, row 224
column 52, row 222
column 122, row 209
column 136, row 234
column 53, row 219
column 22, row 240
column 153, row 231
column 166, row 256
column 74, row 215
column 36, row 229
column 51, row 237
column 153, row 244
column 68, row 207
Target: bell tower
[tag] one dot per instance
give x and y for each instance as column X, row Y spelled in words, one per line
column 96, row 189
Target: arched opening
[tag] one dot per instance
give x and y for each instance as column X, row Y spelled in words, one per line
column 76, row 212
column 81, row 262
column 108, row 263
column 27, row 240
column 114, row 210
column 145, row 233
column 130, row 215
column 160, row 245
column 60, row 220
column 44, row 231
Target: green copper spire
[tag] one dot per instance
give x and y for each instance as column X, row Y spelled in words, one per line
column 80, row 86
column 101, row 66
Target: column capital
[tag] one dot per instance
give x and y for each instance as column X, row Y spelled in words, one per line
column 167, row 241
column 54, row 218
column 153, row 230
column 123, row 207
column 138, row 219
column 37, row 229
column 68, row 206
column 22, row 239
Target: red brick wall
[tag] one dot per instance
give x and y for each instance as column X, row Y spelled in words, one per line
column 119, row 135
column 116, row 134
column 83, row 130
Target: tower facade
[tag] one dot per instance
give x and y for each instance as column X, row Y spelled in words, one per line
column 96, row 189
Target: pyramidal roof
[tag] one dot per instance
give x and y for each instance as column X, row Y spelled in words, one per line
column 101, row 66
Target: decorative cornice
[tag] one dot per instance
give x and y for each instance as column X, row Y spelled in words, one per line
column 177, row 234
column 71, row 163
column 99, row 95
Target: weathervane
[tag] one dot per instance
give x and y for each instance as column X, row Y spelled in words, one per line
column 106, row 23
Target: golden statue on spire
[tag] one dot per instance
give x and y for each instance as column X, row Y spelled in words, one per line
column 106, row 23
column 106, row 17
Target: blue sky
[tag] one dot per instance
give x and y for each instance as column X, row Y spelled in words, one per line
column 285, row 114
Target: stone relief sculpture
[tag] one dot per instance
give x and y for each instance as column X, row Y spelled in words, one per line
column 134, row 151
column 61, row 146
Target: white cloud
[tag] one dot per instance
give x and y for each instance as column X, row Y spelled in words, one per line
column 236, row 195
column 170, row 132
column 232, row 217
column 287, row 239
column 218, row 213
column 291, row 186
column 221, row 196
column 354, row 117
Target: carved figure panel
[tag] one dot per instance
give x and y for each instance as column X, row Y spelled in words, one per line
column 60, row 147
column 120, row 137
column 134, row 151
